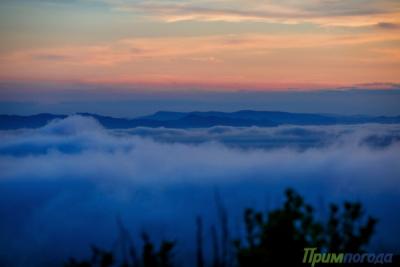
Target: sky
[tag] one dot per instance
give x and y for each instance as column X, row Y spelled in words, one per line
column 52, row 46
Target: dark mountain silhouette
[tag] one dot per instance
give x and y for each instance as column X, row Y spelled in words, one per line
column 165, row 116
column 201, row 119
column 9, row 122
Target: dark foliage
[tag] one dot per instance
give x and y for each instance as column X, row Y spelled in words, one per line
column 274, row 239
column 279, row 238
column 150, row 256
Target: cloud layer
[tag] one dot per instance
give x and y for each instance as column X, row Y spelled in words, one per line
column 62, row 186
column 337, row 13
column 333, row 12
column 247, row 42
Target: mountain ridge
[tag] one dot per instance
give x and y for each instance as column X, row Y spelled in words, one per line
column 199, row 119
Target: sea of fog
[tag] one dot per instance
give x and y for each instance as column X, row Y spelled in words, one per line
column 64, row 186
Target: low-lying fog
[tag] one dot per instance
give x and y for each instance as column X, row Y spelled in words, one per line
column 63, row 186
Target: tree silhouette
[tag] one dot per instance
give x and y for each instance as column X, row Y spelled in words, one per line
column 279, row 238
column 150, row 256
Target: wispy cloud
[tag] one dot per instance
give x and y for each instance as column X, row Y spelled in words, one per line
column 351, row 13
column 328, row 13
column 128, row 59
column 388, row 25
column 304, row 51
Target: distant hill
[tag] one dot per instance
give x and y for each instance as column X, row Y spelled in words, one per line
column 201, row 119
column 9, row 122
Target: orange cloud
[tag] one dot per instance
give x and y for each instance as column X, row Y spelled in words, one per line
column 327, row 13
column 251, row 59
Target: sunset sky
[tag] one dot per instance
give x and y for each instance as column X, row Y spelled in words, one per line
column 215, row 45
column 223, row 42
